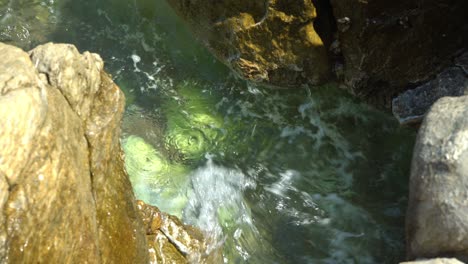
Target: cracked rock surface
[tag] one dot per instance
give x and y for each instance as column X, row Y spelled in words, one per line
column 64, row 195
column 272, row 42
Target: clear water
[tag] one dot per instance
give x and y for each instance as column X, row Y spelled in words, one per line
column 308, row 175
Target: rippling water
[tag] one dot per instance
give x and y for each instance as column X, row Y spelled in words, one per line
column 309, row 175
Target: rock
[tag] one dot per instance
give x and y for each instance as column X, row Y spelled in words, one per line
column 273, row 42
column 170, row 240
column 437, row 216
column 65, row 195
column 387, row 45
column 434, row 261
column 411, row 106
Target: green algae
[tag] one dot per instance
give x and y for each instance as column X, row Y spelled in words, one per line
column 155, row 180
column 192, row 127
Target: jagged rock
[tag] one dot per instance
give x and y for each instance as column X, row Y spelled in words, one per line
column 434, row 261
column 437, row 216
column 65, row 197
column 390, row 44
column 270, row 41
column 411, row 106
column 170, row 239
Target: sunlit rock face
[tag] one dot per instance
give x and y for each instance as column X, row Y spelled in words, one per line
column 377, row 49
column 65, row 197
column 273, row 42
column 437, row 217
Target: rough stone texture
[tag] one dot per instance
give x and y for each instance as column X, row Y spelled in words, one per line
column 411, row 106
column 171, row 240
column 437, row 217
column 268, row 41
column 434, row 261
column 65, row 197
column 387, row 45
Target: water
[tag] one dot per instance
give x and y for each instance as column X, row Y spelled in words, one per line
column 309, row 175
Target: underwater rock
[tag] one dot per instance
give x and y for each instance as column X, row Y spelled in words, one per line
column 411, row 106
column 65, row 195
column 270, row 41
column 155, row 179
column 26, row 24
column 388, row 45
column 437, row 216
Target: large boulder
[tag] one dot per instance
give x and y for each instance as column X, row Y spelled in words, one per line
column 272, row 42
column 389, row 46
column 65, row 196
column 437, row 217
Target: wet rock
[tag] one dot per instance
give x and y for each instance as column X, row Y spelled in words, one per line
column 170, row 240
column 387, row 45
column 437, row 217
column 411, row 106
column 65, row 196
column 434, row 261
column 272, row 42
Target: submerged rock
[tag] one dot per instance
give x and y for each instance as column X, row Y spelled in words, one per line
column 155, row 179
column 65, row 196
column 437, row 217
column 269, row 41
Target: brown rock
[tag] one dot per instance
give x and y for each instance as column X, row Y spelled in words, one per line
column 388, row 45
column 67, row 198
column 437, row 216
column 151, row 217
column 170, row 239
column 163, row 251
column 271, row 41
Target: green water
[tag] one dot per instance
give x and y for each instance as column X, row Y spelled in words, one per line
column 308, row 175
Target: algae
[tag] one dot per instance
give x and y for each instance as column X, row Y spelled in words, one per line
column 155, row 180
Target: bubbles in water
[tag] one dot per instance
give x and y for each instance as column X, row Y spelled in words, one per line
column 216, row 205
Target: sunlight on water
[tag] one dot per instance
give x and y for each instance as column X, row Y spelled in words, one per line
column 308, row 175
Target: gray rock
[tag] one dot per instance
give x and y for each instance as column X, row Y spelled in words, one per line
column 437, row 217
column 411, row 106
column 434, row 261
